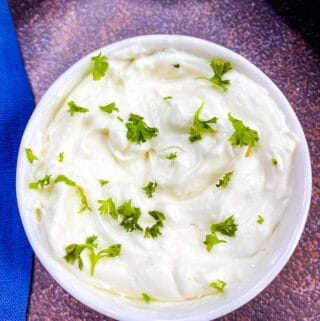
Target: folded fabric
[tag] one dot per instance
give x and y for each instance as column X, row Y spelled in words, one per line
column 16, row 106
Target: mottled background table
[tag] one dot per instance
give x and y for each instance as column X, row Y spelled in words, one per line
column 280, row 37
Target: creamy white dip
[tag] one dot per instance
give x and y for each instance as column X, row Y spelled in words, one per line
column 176, row 265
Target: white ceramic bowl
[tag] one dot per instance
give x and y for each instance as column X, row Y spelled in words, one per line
column 285, row 237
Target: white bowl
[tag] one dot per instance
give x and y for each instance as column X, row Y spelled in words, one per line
column 285, row 237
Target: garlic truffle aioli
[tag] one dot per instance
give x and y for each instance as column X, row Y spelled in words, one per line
column 176, row 265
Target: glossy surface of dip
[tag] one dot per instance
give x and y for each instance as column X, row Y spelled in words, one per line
column 176, row 265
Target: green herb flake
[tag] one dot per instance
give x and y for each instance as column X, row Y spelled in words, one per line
column 212, row 240
column 103, row 182
column 138, row 131
column 219, row 67
column 100, row 66
column 150, row 188
column 146, row 298
column 61, row 157
column 167, row 97
column 109, row 108
column 154, row 230
column 73, row 254
column 227, row 227
column 218, row 285
column 41, row 183
column 120, row 119
column 176, row 66
column 130, row 216
column 274, row 161
column 30, row 156
column 243, row 135
column 260, row 219
column 172, row 156
column 79, row 189
column 74, row 108
column 158, row 216
column 200, row 127
column 74, row 251
column 108, row 207
column 223, row 182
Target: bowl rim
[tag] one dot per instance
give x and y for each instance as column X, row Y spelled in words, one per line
column 200, row 44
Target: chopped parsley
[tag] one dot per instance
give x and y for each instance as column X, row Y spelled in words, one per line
column 176, row 65
column 30, row 156
column 218, row 285
column 120, row 119
column 260, row 219
column 61, row 157
column 200, row 127
column 150, row 188
column 167, row 97
column 243, row 135
column 74, row 251
column 109, row 108
column 138, row 131
column 103, row 182
column 172, row 156
column 211, row 240
column 154, row 230
column 74, row 108
column 274, row 161
column 100, row 66
column 223, row 182
column 79, row 189
column 219, row 67
column 146, row 298
column 227, row 227
column 130, row 216
column 108, row 207
column 41, row 182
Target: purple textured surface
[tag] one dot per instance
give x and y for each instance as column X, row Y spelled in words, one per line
column 53, row 34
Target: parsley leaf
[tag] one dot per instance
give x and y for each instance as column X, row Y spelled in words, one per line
column 219, row 67
column 103, row 182
column 218, row 285
column 108, row 207
column 109, row 108
column 138, row 131
column 260, row 219
column 74, row 251
column 211, row 240
column 274, row 161
column 73, row 254
column 200, row 127
column 61, row 157
column 30, row 156
column 167, row 97
column 243, row 135
column 73, row 107
column 130, row 216
column 176, row 65
column 100, row 66
column 41, row 182
column 150, row 188
column 223, row 182
column 154, row 230
column 146, row 298
column 172, row 156
column 158, row 216
column 227, row 227
column 79, row 189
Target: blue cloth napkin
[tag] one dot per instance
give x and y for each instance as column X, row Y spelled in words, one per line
column 16, row 106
